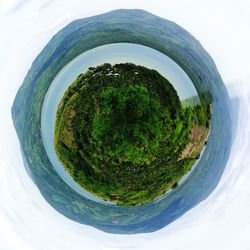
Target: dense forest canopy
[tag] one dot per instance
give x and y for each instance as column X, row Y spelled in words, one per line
column 122, row 134
column 128, row 127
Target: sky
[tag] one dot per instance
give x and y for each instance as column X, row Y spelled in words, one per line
column 222, row 221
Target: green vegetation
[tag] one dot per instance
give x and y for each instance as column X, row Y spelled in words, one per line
column 128, row 126
column 122, row 134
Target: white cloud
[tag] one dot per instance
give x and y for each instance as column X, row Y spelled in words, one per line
column 220, row 222
column 6, row 5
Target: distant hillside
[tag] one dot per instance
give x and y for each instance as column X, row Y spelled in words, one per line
column 122, row 26
column 191, row 101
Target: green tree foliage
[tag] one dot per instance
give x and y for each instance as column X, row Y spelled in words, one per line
column 129, row 125
column 120, row 133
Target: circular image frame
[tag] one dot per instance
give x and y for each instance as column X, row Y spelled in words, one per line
column 130, row 26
